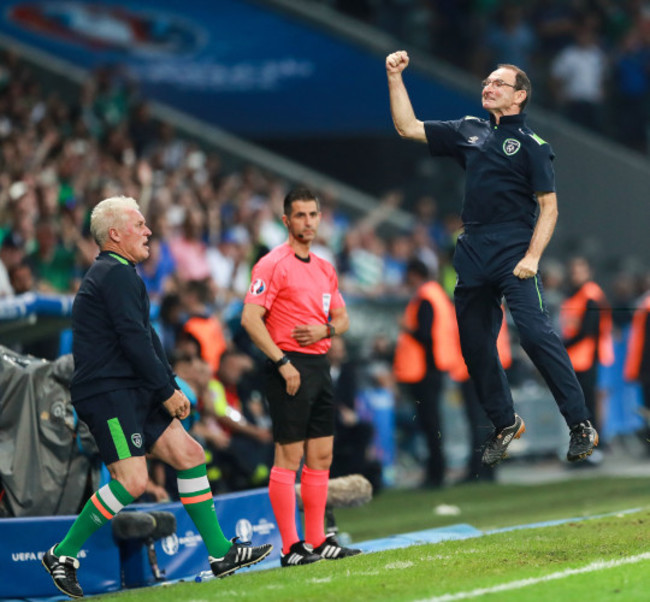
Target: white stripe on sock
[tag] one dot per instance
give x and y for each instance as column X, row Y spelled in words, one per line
column 192, row 485
column 114, row 505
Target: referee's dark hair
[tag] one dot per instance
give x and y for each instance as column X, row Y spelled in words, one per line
column 299, row 193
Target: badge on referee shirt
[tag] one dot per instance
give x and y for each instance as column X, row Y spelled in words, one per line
column 257, row 287
column 327, row 298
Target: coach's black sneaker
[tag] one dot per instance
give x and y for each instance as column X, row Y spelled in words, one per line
column 583, row 440
column 497, row 445
column 330, row 549
column 299, row 553
column 63, row 570
column 239, row 556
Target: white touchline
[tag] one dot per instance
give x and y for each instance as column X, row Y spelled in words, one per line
column 599, row 565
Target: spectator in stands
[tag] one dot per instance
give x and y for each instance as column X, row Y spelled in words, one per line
column 631, row 76
column 54, row 265
column 202, row 323
column 229, row 264
column 46, row 346
column 579, row 74
column 189, row 249
column 158, row 269
column 399, row 250
column 244, row 420
column 508, row 40
column 11, row 255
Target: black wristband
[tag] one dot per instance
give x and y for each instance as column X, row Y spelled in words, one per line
column 331, row 331
column 282, row 361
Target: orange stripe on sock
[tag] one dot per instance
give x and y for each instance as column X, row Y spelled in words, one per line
column 105, row 513
column 197, row 499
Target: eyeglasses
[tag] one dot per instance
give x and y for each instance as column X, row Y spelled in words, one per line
column 497, row 83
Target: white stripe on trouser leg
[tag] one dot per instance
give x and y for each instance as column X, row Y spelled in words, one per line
column 114, row 505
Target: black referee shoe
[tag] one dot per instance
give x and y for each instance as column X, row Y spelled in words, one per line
column 63, row 570
column 330, row 549
column 299, row 553
column 239, row 556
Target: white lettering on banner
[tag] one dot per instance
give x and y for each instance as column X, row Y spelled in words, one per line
column 171, row 544
column 241, row 77
column 245, row 529
column 263, row 527
column 37, row 556
column 190, row 540
column 25, row 556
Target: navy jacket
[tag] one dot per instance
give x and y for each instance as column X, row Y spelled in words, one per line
column 114, row 345
column 505, row 165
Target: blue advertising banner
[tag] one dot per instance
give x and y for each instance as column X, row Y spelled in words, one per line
column 242, row 66
column 106, row 566
column 23, row 541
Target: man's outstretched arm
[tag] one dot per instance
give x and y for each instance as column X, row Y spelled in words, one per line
column 406, row 123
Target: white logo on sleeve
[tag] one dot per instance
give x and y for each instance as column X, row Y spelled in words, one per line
column 327, row 299
column 257, row 287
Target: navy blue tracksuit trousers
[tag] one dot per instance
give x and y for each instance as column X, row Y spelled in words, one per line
column 484, row 260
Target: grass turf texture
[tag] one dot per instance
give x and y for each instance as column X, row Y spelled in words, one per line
column 427, row 572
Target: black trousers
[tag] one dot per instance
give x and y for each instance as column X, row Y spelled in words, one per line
column 589, row 384
column 479, row 430
column 484, row 260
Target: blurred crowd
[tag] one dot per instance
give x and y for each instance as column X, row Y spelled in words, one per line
column 60, row 156
column 589, row 59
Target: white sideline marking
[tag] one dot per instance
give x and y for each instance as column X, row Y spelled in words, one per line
column 599, row 565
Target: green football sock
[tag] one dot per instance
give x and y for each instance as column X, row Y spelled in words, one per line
column 99, row 509
column 195, row 493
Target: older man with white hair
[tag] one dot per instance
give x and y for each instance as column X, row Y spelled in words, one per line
column 124, row 389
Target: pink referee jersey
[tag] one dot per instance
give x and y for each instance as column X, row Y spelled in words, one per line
column 294, row 292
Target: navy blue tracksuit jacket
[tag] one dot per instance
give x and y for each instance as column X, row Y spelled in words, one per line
column 505, row 165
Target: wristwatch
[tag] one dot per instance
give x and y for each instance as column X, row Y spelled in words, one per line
column 282, row 361
column 331, row 331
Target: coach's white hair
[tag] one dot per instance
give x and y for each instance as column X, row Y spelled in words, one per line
column 108, row 214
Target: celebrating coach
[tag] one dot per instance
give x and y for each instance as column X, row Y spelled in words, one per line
column 509, row 215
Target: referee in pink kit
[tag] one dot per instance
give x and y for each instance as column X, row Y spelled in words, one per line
column 292, row 310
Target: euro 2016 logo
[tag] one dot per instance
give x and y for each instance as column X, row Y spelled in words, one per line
column 511, row 146
column 244, row 529
column 257, row 287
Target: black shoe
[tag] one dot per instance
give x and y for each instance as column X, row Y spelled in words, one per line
column 63, row 570
column 497, row 445
column 239, row 556
column 331, row 550
column 299, row 553
column 583, row 440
